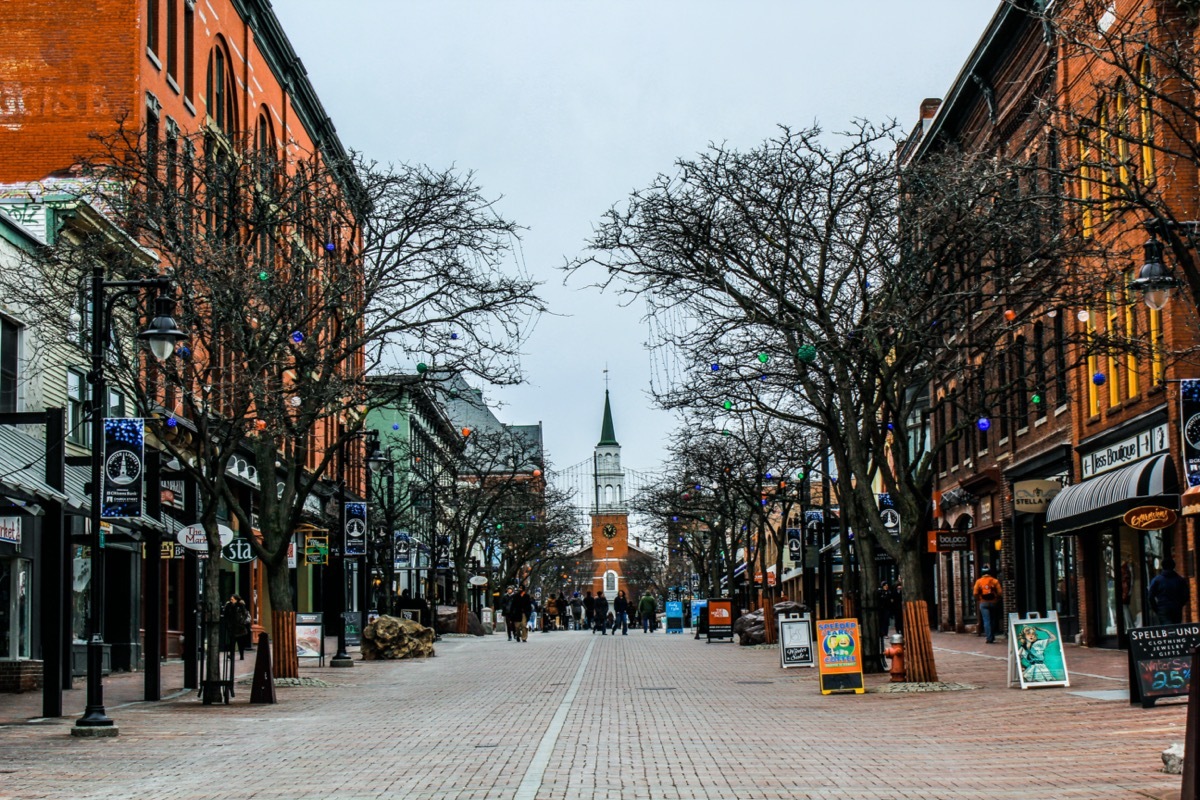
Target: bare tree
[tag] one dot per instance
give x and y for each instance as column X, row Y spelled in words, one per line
column 297, row 278
column 809, row 281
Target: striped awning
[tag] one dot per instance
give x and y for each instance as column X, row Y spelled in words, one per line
column 1108, row 497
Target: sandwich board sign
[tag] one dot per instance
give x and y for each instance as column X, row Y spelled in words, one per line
column 1036, row 652
column 839, row 656
column 795, row 642
column 720, row 620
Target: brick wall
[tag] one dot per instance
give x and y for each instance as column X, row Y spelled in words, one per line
column 20, row 676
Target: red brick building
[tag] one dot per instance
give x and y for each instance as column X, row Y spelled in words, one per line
column 172, row 71
column 1041, row 495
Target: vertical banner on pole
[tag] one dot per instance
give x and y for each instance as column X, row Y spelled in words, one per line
column 356, row 529
column 124, row 459
column 795, row 548
column 1189, row 423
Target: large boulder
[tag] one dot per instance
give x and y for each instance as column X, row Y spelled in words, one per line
column 392, row 637
column 447, row 621
column 751, row 629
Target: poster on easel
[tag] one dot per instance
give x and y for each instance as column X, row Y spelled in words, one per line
column 839, row 656
column 1035, row 652
column 795, row 642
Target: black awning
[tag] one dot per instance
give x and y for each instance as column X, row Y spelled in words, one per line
column 1108, row 497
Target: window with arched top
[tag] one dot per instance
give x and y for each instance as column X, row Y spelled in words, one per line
column 221, row 94
column 608, row 495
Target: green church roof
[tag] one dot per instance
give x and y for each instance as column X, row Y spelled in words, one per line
column 607, row 434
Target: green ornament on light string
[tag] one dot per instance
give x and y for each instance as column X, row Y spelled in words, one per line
column 807, row 353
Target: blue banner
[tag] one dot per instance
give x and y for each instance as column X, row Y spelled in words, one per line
column 124, row 457
column 674, row 616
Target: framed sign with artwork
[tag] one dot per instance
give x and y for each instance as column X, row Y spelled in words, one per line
column 1035, row 657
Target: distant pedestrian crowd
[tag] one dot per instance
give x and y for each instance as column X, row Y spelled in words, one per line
column 523, row 613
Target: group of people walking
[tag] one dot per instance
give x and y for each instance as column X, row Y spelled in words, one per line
column 523, row 612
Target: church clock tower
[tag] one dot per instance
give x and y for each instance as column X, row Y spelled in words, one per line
column 610, row 514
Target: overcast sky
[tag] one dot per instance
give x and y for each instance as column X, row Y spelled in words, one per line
column 562, row 107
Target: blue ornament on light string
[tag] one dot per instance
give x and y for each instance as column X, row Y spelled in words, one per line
column 454, row 336
column 395, row 426
column 297, row 337
column 1099, row 378
column 172, row 422
column 183, row 351
column 983, row 423
column 330, row 247
column 715, row 367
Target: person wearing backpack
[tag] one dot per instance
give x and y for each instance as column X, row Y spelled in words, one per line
column 988, row 594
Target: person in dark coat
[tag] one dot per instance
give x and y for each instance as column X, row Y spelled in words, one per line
column 564, row 611
column 1169, row 593
column 522, row 610
column 621, row 610
column 589, row 612
column 600, row 614
column 506, row 607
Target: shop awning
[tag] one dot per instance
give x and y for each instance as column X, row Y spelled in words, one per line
column 1108, row 497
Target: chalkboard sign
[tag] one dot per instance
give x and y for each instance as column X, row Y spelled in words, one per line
column 1160, row 662
column 353, row 622
column 700, row 617
column 795, row 642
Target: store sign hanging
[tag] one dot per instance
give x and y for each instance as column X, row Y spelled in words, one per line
column 1150, row 518
column 355, row 530
column 1033, row 497
column 10, row 530
column 124, row 458
column 193, row 537
column 948, row 541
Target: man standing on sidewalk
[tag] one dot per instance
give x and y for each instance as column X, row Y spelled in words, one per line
column 1169, row 593
column 987, row 593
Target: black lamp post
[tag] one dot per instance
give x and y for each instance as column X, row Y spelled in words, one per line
column 377, row 461
column 1154, row 280
column 161, row 336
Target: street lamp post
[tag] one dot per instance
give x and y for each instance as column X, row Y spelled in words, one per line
column 161, row 336
column 1154, row 280
column 377, row 461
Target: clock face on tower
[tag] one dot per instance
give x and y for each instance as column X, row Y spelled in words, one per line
column 609, row 531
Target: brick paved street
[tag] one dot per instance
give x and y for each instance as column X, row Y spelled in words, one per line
column 572, row 715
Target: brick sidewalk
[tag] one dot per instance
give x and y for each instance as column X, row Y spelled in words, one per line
column 643, row 716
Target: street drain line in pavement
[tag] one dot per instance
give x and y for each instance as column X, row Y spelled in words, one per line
column 532, row 781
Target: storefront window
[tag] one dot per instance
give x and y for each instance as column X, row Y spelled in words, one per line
column 1153, row 543
column 1133, row 583
column 1108, row 585
column 81, row 581
column 1066, row 596
column 16, row 609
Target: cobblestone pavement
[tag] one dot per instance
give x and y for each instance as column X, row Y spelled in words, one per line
column 572, row 715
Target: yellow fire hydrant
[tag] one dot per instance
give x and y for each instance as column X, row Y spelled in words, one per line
column 896, row 653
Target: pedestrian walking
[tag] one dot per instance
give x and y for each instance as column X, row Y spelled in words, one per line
column 506, row 607
column 621, row 612
column 564, row 612
column 600, row 614
column 551, row 613
column 589, row 611
column 1169, row 593
column 648, row 610
column 235, row 626
column 522, row 606
column 988, row 594
column 577, row 611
